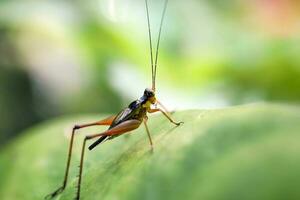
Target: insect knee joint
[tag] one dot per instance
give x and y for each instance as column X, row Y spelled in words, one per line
column 88, row 137
column 76, row 127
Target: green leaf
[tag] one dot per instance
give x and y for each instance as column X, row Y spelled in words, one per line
column 245, row 152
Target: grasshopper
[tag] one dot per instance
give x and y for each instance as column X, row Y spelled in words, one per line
column 127, row 120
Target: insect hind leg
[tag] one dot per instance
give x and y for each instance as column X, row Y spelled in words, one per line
column 106, row 121
column 117, row 130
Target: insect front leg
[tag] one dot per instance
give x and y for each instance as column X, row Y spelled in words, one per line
column 106, row 121
column 124, row 127
column 163, row 107
column 165, row 114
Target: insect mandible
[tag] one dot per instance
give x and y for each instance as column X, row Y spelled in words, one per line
column 127, row 120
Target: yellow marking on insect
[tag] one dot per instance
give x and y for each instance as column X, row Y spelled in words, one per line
column 147, row 104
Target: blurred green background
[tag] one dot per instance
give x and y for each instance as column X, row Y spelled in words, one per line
column 91, row 56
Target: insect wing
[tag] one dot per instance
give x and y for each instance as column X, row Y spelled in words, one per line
column 127, row 113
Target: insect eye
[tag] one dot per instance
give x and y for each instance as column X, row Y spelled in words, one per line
column 148, row 93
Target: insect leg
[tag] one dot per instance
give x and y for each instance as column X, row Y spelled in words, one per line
column 124, row 127
column 148, row 133
column 165, row 114
column 163, row 107
column 106, row 121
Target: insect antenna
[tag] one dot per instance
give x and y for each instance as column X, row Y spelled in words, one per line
column 153, row 67
column 150, row 43
column 158, row 40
